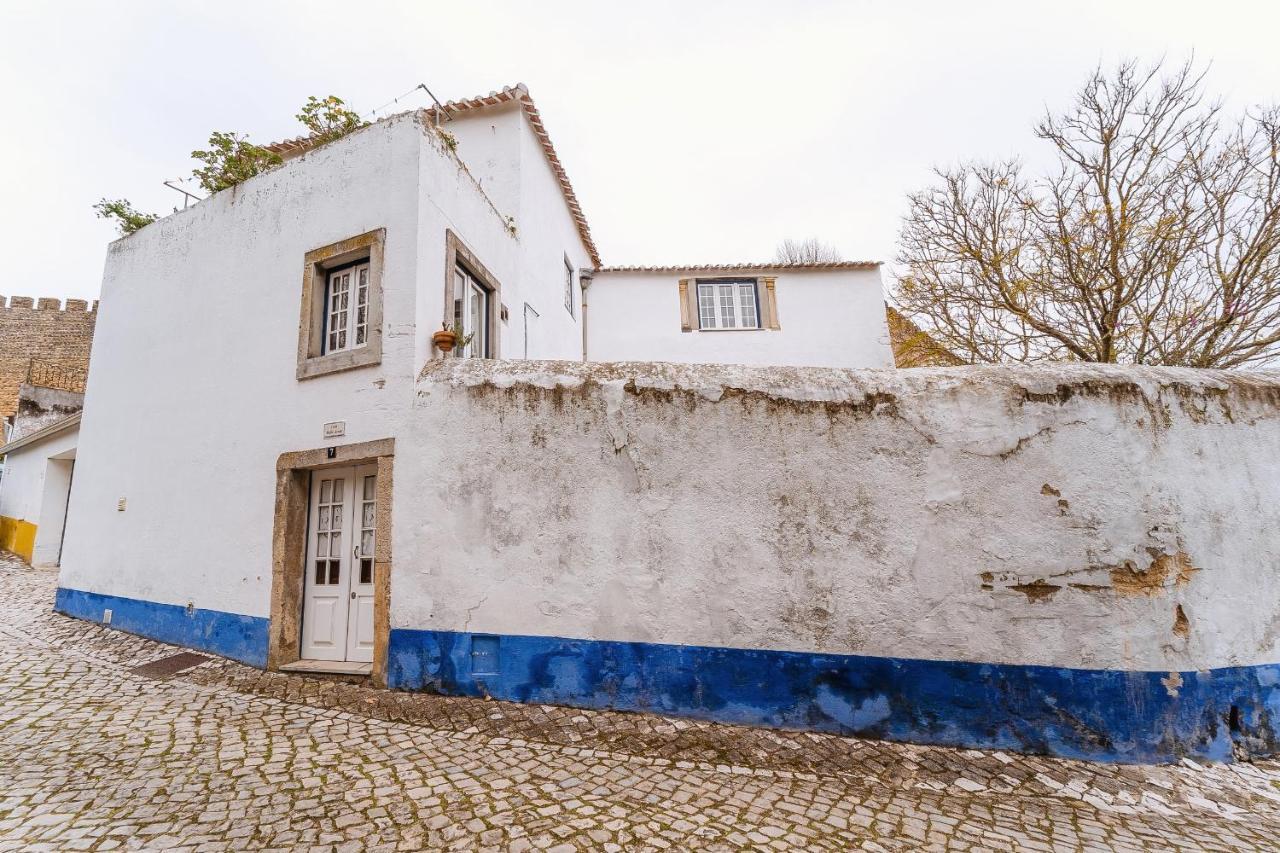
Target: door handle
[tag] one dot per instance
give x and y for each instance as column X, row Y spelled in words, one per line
column 353, row 596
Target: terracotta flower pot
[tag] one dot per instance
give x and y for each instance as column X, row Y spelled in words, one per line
column 444, row 340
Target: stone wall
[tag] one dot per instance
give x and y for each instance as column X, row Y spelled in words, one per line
column 1069, row 559
column 58, row 337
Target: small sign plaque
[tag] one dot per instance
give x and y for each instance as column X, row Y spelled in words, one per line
column 336, row 429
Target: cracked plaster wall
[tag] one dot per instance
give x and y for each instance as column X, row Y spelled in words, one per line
column 1069, row 516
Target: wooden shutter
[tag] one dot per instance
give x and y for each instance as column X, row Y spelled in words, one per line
column 688, row 306
column 769, row 304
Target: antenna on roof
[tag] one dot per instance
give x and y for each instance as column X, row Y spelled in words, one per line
column 423, row 86
column 187, row 197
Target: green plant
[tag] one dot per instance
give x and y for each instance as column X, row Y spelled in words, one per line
column 328, row 119
column 230, row 160
column 450, row 141
column 127, row 218
column 461, row 341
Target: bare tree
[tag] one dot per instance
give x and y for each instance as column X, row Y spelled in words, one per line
column 1155, row 241
column 811, row 251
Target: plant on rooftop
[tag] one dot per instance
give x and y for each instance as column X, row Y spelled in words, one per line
column 450, row 141
column 328, row 119
column 230, row 160
column 126, row 217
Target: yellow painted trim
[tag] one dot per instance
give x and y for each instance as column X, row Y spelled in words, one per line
column 17, row 536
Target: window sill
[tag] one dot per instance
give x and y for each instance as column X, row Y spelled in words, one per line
column 323, row 365
column 755, row 329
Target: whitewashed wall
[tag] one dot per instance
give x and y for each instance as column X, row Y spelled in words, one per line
column 828, row 319
column 23, row 485
column 502, row 152
column 1057, row 515
column 192, row 390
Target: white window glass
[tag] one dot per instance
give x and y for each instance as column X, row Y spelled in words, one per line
column 727, row 317
column 728, row 305
column 471, row 313
column 362, row 305
column 339, row 293
column 367, row 519
column 747, row 306
column 328, row 532
column 707, row 305
column 347, row 318
column 568, row 287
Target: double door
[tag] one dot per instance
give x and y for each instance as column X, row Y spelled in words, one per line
column 337, row 612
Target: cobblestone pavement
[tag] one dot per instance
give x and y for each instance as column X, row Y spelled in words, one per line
column 94, row 757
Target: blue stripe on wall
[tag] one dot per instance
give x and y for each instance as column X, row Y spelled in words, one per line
column 1098, row 715
column 242, row 638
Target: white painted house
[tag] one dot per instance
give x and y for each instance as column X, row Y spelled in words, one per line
column 35, row 488
column 292, row 314
column 805, row 315
column 276, row 464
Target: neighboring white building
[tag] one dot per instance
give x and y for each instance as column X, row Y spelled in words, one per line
column 35, row 488
column 804, row 315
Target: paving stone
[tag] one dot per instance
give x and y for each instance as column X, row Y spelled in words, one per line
column 227, row 757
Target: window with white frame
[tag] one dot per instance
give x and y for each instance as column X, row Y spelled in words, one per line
column 339, row 327
column 471, row 314
column 728, row 304
column 568, row 286
column 346, row 315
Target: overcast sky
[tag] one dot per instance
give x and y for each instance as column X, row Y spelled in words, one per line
column 692, row 131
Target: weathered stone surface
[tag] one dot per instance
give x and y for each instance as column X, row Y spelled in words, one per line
column 226, row 757
column 59, row 340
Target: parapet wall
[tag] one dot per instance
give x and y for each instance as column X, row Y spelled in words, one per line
column 57, row 336
column 1070, row 559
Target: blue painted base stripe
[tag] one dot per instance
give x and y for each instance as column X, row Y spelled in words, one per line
column 1098, row 715
column 242, row 638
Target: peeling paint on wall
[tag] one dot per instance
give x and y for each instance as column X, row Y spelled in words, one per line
column 1065, row 517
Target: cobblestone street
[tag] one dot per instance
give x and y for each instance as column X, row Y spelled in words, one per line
column 222, row 756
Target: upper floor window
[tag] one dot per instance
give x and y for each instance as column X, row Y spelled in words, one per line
column 340, row 326
column 728, row 304
column 471, row 307
column 568, row 286
column 472, row 301
column 347, row 308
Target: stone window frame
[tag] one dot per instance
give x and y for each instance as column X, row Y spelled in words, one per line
column 457, row 254
column 289, row 547
column 316, row 266
column 766, row 302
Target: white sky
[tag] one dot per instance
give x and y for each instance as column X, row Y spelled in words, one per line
column 692, row 131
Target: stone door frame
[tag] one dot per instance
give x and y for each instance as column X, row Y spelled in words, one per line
column 289, row 547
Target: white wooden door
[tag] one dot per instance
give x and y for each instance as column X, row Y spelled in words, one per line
column 360, row 617
column 339, row 578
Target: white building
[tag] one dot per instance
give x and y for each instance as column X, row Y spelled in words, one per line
column 277, row 464
column 249, row 344
column 35, row 488
column 810, row 315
